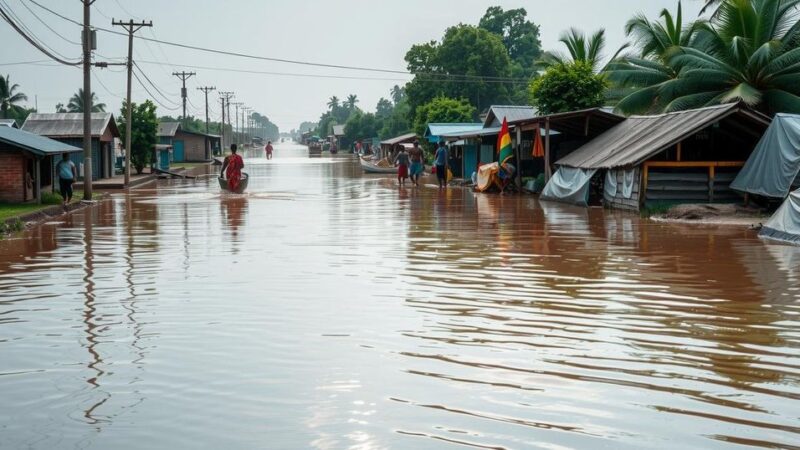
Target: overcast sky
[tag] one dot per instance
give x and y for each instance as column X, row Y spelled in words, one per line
column 363, row 33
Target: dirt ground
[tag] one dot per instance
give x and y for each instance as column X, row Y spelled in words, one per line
column 714, row 214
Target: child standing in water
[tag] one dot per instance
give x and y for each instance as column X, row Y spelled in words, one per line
column 402, row 163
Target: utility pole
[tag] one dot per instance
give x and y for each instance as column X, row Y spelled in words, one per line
column 206, row 90
column 88, row 40
column 184, row 76
column 236, row 123
column 131, row 27
column 225, row 98
column 245, row 118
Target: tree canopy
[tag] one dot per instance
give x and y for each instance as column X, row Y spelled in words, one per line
column 443, row 109
column 568, row 87
column 75, row 104
column 10, row 98
column 144, row 127
column 520, row 36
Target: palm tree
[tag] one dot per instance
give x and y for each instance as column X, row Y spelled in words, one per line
column 352, row 99
column 580, row 48
column 9, row 97
column 749, row 52
column 640, row 75
column 333, row 103
column 75, row 104
column 711, row 4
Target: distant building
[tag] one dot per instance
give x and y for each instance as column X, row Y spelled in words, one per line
column 8, row 123
column 68, row 128
column 188, row 146
column 435, row 131
column 28, row 163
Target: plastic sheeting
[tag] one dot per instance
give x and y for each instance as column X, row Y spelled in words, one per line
column 569, row 185
column 775, row 162
column 610, row 186
column 628, row 178
column 784, row 225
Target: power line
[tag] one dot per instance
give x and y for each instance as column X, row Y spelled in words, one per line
column 457, row 77
column 166, row 97
column 136, row 75
column 48, row 26
column 33, row 41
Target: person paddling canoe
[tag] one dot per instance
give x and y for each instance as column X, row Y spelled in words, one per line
column 232, row 167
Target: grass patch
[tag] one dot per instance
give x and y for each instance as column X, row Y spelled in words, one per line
column 15, row 210
column 657, row 209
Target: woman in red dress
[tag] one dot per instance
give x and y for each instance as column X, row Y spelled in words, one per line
column 232, row 167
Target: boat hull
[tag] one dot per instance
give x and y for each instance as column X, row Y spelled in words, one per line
column 372, row 168
column 223, row 184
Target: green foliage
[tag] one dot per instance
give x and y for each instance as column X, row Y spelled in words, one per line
column 361, row 126
column 587, row 49
column 749, row 51
column 144, row 127
column 51, row 198
column 443, row 109
column 397, row 122
column 12, row 226
column 464, row 50
column 568, row 87
column 520, row 36
column 75, row 104
column 10, row 97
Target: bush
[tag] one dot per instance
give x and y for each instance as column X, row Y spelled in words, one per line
column 51, row 198
column 568, row 87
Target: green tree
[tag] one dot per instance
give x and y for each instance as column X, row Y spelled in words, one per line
column 333, row 102
column 60, row 108
column 75, row 104
column 398, row 94
column 520, row 36
column 384, row 108
column 466, row 64
column 568, row 87
column 10, row 97
column 360, row 126
column 640, row 76
column 397, row 123
column 351, row 102
column 144, row 126
column 748, row 52
column 443, row 109
column 580, row 48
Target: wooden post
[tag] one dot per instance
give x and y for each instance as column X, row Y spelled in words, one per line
column 37, row 180
column 711, row 176
column 547, row 170
column 680, row 148
column 586, row 127
column 518, row 176
column 643, row 187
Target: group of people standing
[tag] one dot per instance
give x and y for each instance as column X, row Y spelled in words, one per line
column 411, row 164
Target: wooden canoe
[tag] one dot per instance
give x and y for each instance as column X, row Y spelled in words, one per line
column 223, row 184
column 372, row 168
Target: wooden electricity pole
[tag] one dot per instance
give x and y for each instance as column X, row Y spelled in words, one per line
column 225, row 98
column 131, row 27
column 184, row 76
column 206, row 90
column 88, row 39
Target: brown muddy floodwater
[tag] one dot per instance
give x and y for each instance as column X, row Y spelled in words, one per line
column 330, row 310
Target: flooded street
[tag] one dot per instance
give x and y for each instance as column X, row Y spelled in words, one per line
column 326, row 309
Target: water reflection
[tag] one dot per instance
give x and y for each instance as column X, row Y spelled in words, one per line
column 362, row 315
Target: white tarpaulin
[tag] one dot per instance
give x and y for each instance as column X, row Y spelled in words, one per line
column 628, row 178
column 610, row 186
column 784, row 225
column 774, row 164
column 569, row 185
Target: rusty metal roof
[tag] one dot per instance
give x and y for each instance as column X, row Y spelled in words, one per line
column 639, row 138
column 69, row 125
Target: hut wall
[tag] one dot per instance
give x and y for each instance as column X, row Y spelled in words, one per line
column 12, row 176
column 619, row 201
column 690, row 185
column 194, row 147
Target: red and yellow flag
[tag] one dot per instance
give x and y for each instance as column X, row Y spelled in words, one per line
column 504, row 148
column 538, row 147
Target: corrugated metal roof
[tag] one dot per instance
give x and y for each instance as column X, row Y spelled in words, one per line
column 63, row 125
column 33, row 143
column 512, row 114
column 639, row 138
column 439, row 129
column 410, row 137
column 8, row 123
column 168, row 129
column 338, row 130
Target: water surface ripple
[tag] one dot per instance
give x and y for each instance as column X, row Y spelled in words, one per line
column 327, row 309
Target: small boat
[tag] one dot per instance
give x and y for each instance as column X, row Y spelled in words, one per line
column 223, row 184
column 372, row 168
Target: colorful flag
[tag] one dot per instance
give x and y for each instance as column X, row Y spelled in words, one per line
column 504, row 148
column 538, row 147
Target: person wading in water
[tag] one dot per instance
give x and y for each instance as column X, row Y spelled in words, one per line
column 67, row 174
column 232, row 167
column 441, row 165
column 402, row 166
column 269, row 150
column 417, row 163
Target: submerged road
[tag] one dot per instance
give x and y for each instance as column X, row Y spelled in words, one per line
column 327, row 309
